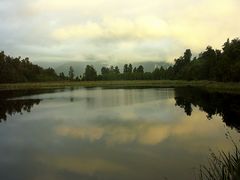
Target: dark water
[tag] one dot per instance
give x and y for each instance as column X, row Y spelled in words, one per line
column 113, row 133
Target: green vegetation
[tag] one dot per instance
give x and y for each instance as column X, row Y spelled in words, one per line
column 13, row 70
column 90, row 74
column 208, row 85
column 71, row 73
column 226, row 166
column 212, row 65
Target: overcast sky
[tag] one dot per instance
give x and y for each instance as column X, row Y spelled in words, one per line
column 115, row 30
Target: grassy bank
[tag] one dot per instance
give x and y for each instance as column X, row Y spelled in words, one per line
column 208, row 85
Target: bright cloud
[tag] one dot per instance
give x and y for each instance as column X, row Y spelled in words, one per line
column 120, row 30
column 115, row 30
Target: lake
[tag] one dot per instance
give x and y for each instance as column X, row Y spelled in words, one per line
column 113, row 134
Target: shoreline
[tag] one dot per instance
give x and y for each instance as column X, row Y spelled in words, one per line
column 229, row 87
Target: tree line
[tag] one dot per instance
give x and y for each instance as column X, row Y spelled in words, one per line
column 13, row 70
column 211, row 64
column 217, row 65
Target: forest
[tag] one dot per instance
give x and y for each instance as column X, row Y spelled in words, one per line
column 211, row 64
column 14, row 70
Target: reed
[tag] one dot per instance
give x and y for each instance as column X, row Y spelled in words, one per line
column 224, row 166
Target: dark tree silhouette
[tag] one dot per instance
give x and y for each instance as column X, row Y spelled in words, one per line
column 14, row 70
column 216, row 65
column 11, row 107
column 71, row 73
column 62, row 76
column 90, row 73
column 225, row 105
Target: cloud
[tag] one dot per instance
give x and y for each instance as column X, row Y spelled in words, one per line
column 133, row 30
column 115, row 29
column 146, row 132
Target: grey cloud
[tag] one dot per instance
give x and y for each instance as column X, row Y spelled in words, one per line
column 27, row 28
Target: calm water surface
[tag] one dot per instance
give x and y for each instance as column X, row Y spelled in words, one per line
column 113, row 134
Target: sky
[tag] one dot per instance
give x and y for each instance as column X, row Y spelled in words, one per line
column 115, row 30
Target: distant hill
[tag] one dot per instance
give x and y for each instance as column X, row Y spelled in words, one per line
column 79, row 67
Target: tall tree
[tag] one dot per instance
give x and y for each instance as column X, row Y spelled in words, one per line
column 140, row 69
column 90, row 73
column 71, row 73
column 130, row 68
column 125, row 68
column 187, row 56
column 62, row 76
column 116, row 70
column 104, row 70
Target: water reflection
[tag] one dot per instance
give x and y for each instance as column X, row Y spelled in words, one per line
column 132, row 134
column 225, row 105
column 11, row 107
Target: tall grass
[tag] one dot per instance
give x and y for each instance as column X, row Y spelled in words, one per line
column 225, row 166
